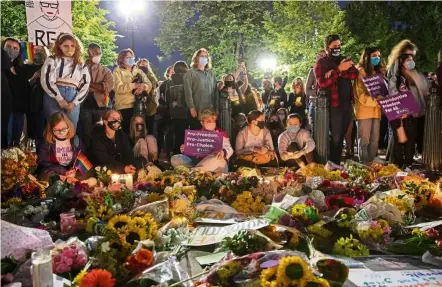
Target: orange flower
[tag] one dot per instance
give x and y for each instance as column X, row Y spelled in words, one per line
column 98, row 278
column 140, row 261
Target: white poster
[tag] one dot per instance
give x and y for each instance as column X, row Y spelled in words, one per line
column 206, row 235
column 46, row 19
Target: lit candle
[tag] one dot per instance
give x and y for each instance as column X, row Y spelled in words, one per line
column 129, row 180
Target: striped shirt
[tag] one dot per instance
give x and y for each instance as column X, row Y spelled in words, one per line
column 57, row 69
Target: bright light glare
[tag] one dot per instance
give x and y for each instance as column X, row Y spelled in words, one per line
column 131, row 7
column 268, row 64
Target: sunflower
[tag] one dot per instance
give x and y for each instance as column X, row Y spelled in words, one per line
column 105, row 213
column 98, row 277
column 267, row 276
column 139, row 222
column 131, row 234
column 168, row 180
column 151, row 225
column 118, row 222
column 292, row 270
column 315, row 282
column 78, row 278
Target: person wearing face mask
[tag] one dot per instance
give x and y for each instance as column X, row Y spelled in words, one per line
column 200, row 87
column 126, row 89
column 282, row 114
column 144, row 145
column 279, row 85
column 298, row 99
column 111, row 146
column 94, row 106
column 65, row 78
column 230, row 103
column 17, row 79
column 217, row 162
column 367, row 110
column 310, row 90
column 267, row 88
column 295, row 145
column 254, row 145
column 56, row 154
column 334, row 74
column 276, row 128
column 36, row 121
column 402, row 76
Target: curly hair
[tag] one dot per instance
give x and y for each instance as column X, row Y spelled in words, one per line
column 78, row 55
column 195, row 60
column 400, row 49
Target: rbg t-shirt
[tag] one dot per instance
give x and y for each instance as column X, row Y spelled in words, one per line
column 63, row 152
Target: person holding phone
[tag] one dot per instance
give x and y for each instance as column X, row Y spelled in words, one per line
column 334, row 74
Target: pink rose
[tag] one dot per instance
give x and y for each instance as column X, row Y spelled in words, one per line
column 67, row 260
column 80, row 260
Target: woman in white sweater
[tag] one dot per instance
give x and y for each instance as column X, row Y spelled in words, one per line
column 65, row 78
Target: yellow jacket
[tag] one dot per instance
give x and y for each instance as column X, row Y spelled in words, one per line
column 123, row 86
column 366, row 107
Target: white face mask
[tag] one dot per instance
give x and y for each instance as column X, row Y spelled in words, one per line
column 96, row 59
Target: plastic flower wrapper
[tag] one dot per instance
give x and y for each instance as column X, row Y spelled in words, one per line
column 350, row 247
column 265, row 189
column 419, row 241
column 375, row 207
column 374, row 233
column 250, row 269
column 357, row 170
column 168, row 272
column 168, row 237
column 149, row 173
column 69, row 256
column 331, row 269
column 247, row 242
column 216, row 209
column 159, row 209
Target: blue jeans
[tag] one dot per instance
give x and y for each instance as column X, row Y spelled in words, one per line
column 15, row 128
column 51, row 105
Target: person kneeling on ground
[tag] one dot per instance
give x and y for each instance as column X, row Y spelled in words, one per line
column 111, row 146
column 57, row 153
column 215, row 162
column 144, row 145
column 254, row 144
column 295, row 144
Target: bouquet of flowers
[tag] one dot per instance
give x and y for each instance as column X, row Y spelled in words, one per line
column 419, row 242
column 16, row 165
column 374, row 233
column 69, row 257
column 244, row 242
column 181, row 198
column 104, row 175
column 139, row 261
column 247, row 203
column 350, row 247
column 95, row 277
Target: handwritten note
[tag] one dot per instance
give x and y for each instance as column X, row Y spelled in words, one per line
column 414, row 278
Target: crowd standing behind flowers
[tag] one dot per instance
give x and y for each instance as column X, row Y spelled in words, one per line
column 125, row 218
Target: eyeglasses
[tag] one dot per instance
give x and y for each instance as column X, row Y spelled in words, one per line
column 60, row 132
column 47, row 5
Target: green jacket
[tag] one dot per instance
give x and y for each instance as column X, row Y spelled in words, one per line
column 200, row 90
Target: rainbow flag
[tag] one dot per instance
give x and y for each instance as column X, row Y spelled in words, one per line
column 108, row 102
column 83, row 164
column 27, row 51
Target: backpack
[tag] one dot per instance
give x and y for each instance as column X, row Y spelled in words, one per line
column 175, row 97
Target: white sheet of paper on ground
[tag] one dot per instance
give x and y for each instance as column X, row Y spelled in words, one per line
column 215, row 221
column 211, row 258
column 426, row 225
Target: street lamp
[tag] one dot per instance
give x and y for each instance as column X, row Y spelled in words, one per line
column 130, row 9
column 268, row 64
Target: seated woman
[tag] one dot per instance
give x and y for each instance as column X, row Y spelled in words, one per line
column 56, row 154
column 276, row 128
column 111, row 146
column 144, row 145
column 217, row 162
column 254, row 144
column 295, row 144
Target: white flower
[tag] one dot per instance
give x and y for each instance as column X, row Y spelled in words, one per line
column 178, row 185
column 98, row 168
column 104, row 168
column 105, row 247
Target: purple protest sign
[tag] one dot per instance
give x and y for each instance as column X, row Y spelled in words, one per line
column 398, row 105
column 202, row 143
column 376, row 85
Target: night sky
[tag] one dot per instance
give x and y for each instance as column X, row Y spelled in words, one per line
column 144, row 36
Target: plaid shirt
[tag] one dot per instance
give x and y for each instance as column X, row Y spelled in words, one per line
column 326, row 64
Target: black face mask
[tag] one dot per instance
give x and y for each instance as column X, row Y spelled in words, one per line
column 229, row 83
column 261, row 124
column 144, row 69
column 59, row 139
column 139, row 127
column 274, row 125
column 114, row 125
column 335, row 52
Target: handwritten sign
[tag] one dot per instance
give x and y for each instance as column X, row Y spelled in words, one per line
column 412, row 278
column 46, row 19
column 206, row 235
column 375, row 85
column 398, row 105
column 202, row 143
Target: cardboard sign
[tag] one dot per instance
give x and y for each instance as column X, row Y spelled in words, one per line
column 46, row 19
column 368, row 278
column 202, row 143
column 206, row 235
column 398, row 105
column 376, row 85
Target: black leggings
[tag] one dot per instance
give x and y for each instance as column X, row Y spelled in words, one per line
column 403, row 153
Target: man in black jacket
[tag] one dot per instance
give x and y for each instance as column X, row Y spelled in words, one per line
column 5, row 99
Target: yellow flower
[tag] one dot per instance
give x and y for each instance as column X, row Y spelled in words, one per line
column 119, row 222
column 109, row 172
column 131, row 235
column 104, row 213
column 294, row 240
column 292, row 270
column 139, row 222
column 79, row 277
column 267, row 276
column 150, row 225
column 315, row 282
column 401, row 204
column 246, row 203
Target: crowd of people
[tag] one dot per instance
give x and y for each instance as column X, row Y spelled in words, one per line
column 126, row 118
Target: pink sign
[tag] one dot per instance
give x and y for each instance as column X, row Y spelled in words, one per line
column 202, row 143
column 376, row 85
column 398, row 105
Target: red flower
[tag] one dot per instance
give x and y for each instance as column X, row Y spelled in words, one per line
column 140, row 261
column 432, row 233
column 98, row 278
column 439, row 243
column 326, row 183
column 344, row 175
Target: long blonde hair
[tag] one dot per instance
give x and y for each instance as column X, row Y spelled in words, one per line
column 298, row 80
column 400, row 49
column 78, row 55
